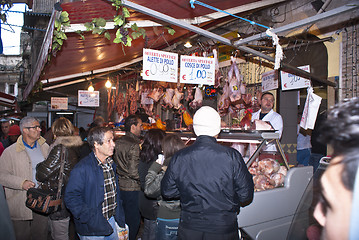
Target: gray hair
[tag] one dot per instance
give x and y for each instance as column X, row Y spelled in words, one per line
column 26, row 121
column 97, row 134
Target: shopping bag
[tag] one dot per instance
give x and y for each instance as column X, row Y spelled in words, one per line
column 311, row 108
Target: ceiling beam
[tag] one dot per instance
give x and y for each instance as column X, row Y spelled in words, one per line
column 196, row 20
column 221, row 39
column 301, row 23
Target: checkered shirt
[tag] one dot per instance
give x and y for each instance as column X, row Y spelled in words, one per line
column 109, row 204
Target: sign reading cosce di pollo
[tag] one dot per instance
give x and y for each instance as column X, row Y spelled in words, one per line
column 197, row 70
column 160, row 65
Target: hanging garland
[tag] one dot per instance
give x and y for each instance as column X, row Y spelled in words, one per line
column 59, row 35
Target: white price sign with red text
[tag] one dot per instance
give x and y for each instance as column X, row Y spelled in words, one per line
column 160, row 66
column 197, row 70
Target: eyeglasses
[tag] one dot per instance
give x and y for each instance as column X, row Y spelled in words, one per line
column 34, row 127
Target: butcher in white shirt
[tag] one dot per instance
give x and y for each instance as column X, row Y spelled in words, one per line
column 266, row 114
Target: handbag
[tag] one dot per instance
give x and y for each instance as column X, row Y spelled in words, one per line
column 46, row 201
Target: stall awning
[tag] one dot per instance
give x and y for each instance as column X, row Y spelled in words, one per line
column 80, row 58
column 7, row 100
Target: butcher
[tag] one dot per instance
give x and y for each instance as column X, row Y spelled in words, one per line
column 266, row 119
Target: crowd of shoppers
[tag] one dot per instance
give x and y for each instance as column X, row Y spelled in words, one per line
column 174, row 191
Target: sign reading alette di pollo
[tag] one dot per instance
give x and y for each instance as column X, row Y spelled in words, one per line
column 160, row 65
column 197, row 70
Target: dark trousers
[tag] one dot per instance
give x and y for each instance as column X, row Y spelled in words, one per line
column 188, row 234
column 36, row 229
column 132, row 212
column 149, row 229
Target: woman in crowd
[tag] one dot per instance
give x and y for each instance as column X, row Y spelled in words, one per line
column 151, row 148
column 47, row 172
column 169, row 211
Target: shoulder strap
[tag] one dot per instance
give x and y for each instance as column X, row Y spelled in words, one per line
column 61, row 173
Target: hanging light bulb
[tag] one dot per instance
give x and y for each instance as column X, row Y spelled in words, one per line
column 188, row 44
column 91, row 88
column 108, row 83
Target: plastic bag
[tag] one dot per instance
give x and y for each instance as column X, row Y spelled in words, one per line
column 122, row 232
column 311, row 109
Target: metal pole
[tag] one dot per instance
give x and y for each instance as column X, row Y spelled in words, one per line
column 226, row 41
column 309, row 20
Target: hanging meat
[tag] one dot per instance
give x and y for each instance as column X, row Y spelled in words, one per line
column 217, row 75
column 110, row 103
column 224, row 102
column 146, row 102
column 189, row 93
column 120, row 105
column 176, row 99
column 167, row 98
column 133, row 98
column 235, row 80
column 198, row 99
column 156, row 94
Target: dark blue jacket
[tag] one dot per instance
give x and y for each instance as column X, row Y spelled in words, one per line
column 84, row 195
column 212, row 182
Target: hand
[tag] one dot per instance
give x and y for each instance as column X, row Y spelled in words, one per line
column 28, row 184
column 164, row 168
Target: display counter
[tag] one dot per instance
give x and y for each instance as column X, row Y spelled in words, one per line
column 243, row 136
column 270, row 214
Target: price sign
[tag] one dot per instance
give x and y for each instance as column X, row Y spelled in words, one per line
column 88, row 99
column 197, row 70
column 291, row 81
column 269, row 80
column 160, row 66
column 59, row 103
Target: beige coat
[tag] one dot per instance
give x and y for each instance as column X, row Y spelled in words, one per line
column 15, row 168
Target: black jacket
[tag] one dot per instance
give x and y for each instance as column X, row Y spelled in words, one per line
column 148, row 206
column 47, row 172
column 212, row 182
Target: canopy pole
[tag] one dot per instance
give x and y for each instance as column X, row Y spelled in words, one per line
column 200, row 31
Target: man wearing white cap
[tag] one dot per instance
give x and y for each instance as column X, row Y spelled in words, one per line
column 211, row 180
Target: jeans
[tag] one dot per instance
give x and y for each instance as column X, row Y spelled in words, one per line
column 303, row 156
column 167, row 229
column 113, row 236
column 130, row 205
column 314, row 160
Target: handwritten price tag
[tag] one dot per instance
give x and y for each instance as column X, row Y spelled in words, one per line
column 291, row 81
